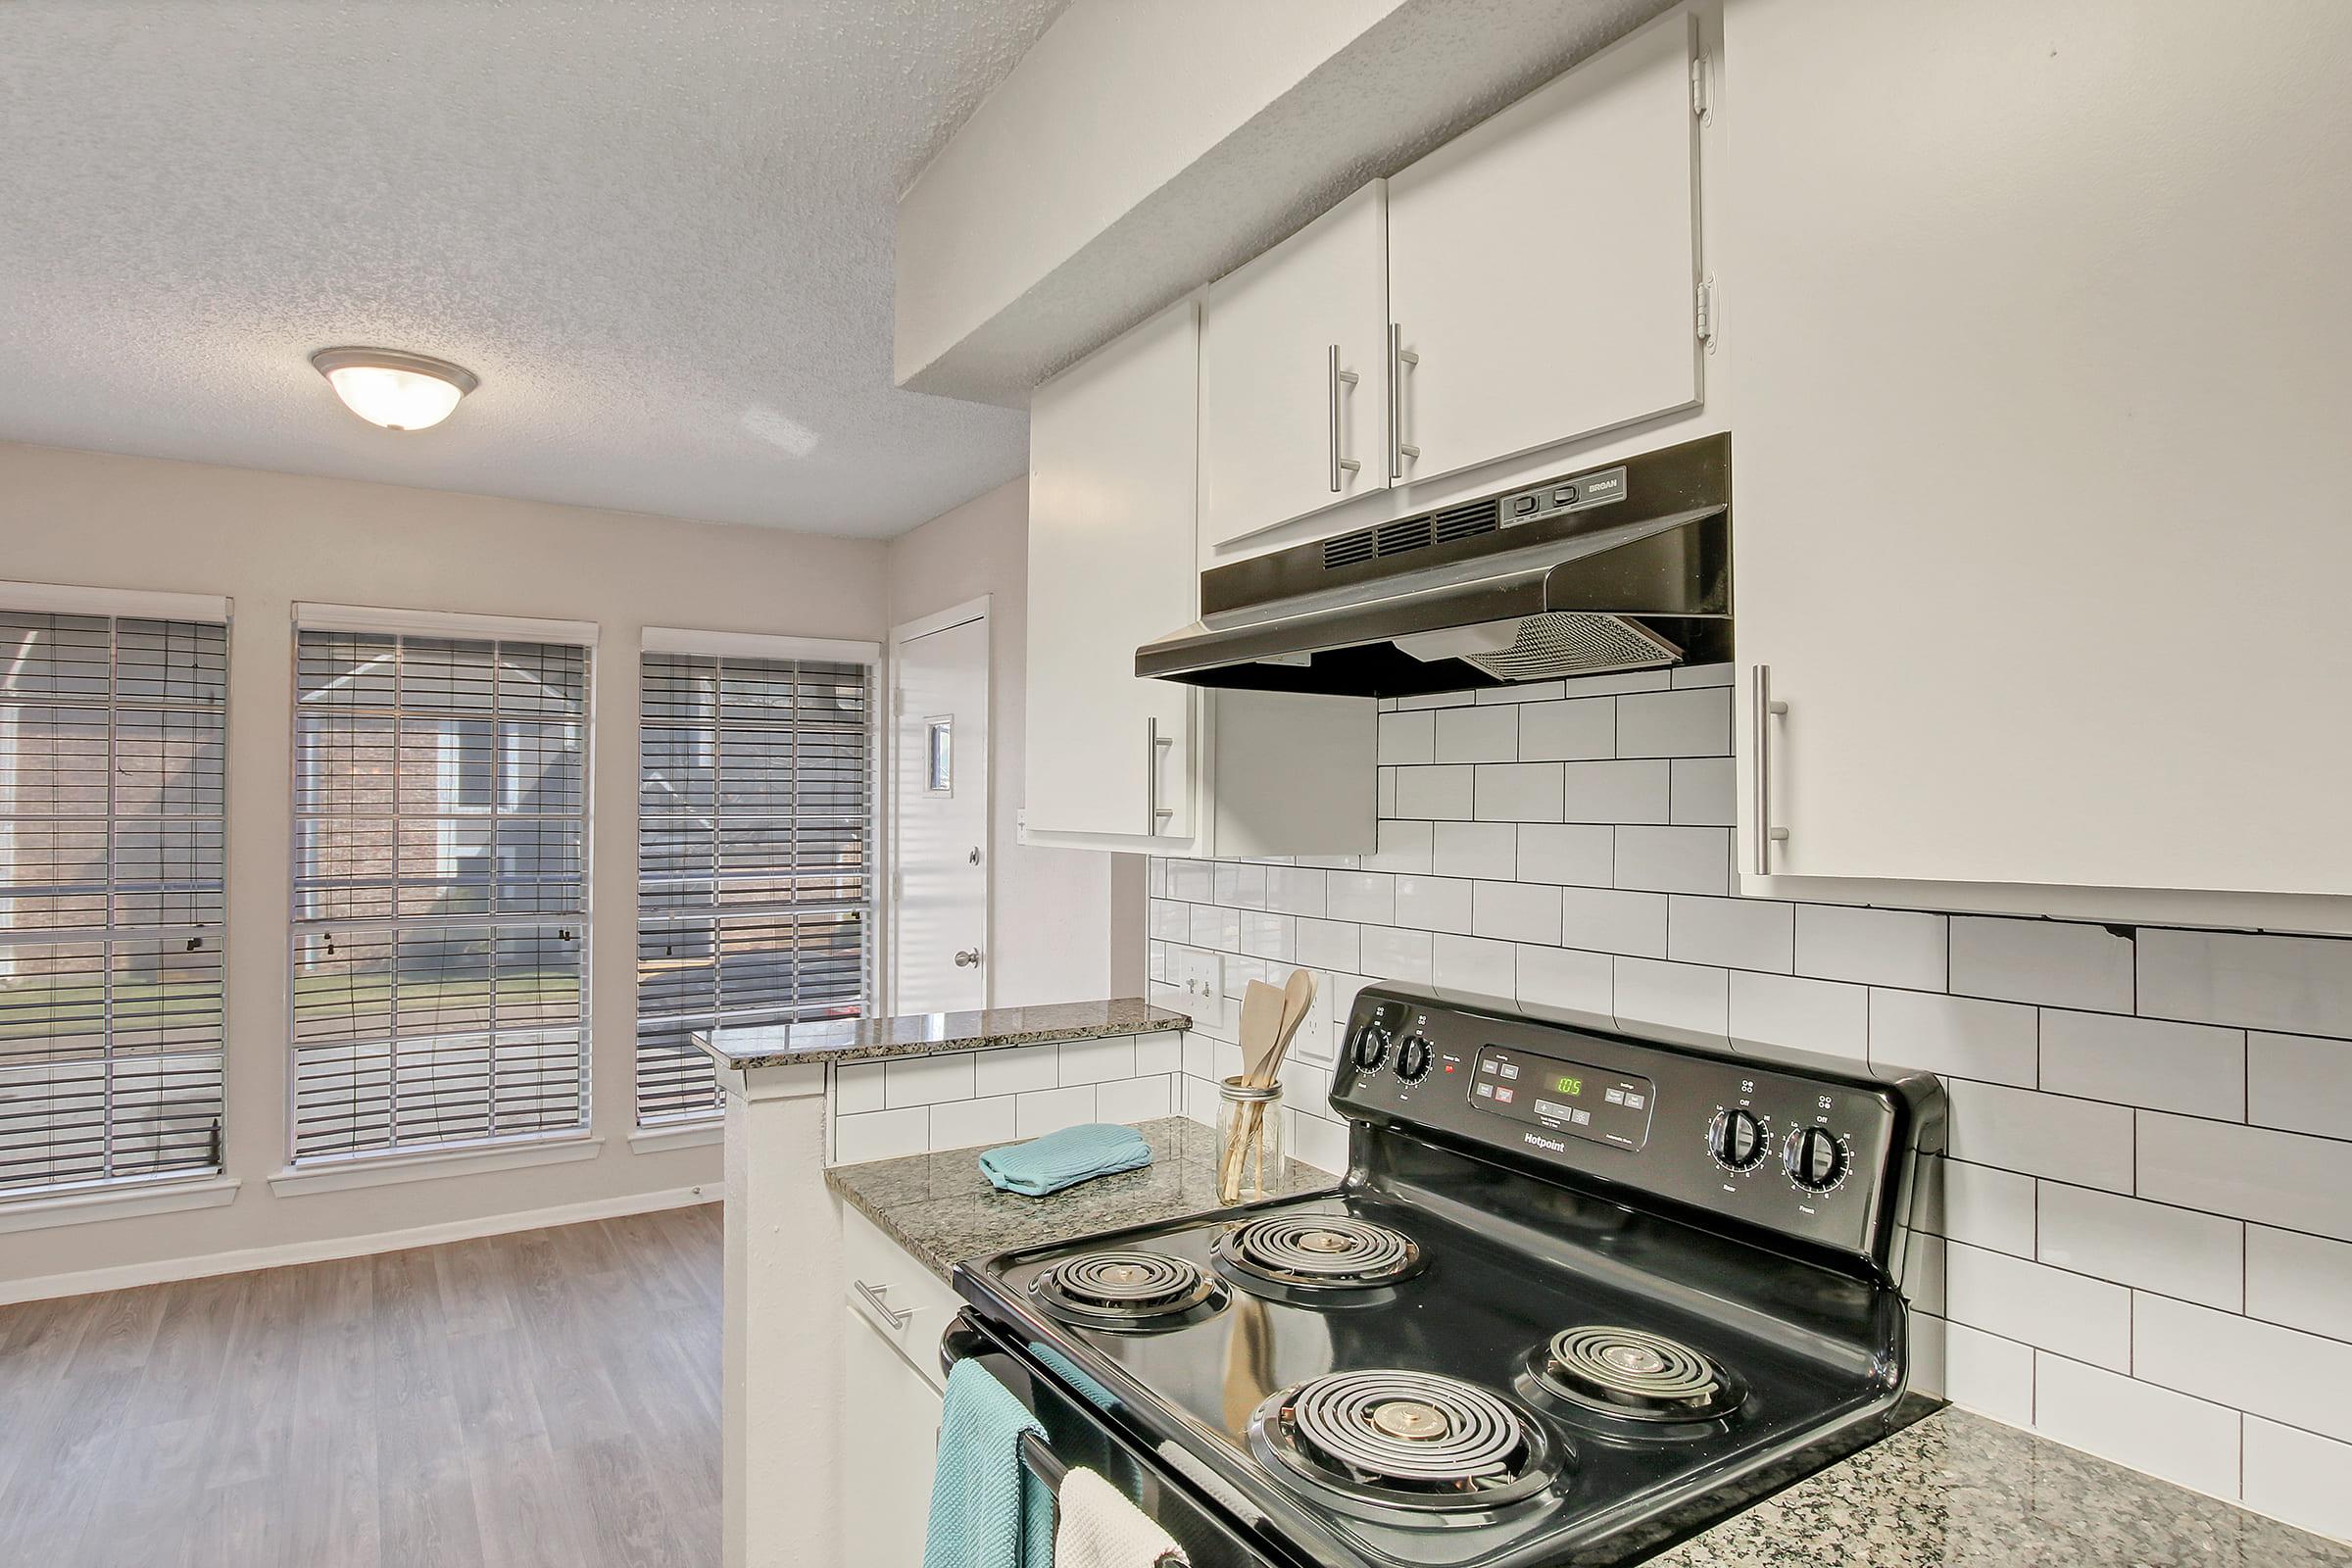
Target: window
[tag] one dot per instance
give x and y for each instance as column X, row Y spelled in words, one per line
column 754, row 853
column 111, row 889
column 440, row 936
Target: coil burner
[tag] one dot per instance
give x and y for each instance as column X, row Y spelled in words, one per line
column 1129, row 1290
column 1405, row 1440
column 1320, row 1251
column 1643, row 1377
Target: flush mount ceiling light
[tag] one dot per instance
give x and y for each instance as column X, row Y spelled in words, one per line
column 396, row 390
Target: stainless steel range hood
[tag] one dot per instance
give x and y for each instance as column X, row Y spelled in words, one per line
column 1620, row 567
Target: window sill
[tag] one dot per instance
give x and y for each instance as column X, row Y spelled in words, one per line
column 684, row 1135
column 296, row 1181
column 120, row 1202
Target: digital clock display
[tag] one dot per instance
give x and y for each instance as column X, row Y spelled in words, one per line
column 1574, row 1099
column 1567, row 1086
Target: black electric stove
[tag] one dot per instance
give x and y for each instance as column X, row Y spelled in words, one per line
column 1580, row 1295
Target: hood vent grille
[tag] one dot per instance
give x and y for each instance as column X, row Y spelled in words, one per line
column 1412, row 533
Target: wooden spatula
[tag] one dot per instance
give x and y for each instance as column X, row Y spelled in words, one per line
column 1263, row 1007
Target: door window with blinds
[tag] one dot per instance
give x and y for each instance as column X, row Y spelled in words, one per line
column 440, row 935
column 754, row 856
column 111, row 896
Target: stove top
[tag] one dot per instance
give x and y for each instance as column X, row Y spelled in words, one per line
column 1464, row 1356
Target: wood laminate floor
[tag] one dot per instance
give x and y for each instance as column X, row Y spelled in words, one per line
column 546, row 1397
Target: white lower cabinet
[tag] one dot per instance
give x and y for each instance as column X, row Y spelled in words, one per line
column 891, row 1388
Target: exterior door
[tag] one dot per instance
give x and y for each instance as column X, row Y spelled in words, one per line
column 939, row 817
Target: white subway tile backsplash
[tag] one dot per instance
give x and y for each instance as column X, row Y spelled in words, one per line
column 1527, row 691
column 1475, row 848
column 2300, row 1082
column 2078, row 1141
column 2183, row 1439
column 1193, row 881
column 1478, row 735
column 2088, row 1319
column 1384, row 794
column 881, row 1135
column 1696, row 723
column 1824, row 1015
column 1606, row 920
column 1241, row 886
column 1873, row 947
column 1091, row 1061
column 1680, row 1000
column 1568, row 732
column 1159, row 1053
column 2299, row 1477
column 1614, row 792
column 2176, row 1251
column 2290, row 985
column 2189, row 1067
column 922, row 1080
column 1273, row 937
column 1327, row 943
column 2052, row 963
column 1958, row 1037
column 1408, row 738
column 1985, row 1206
column 2304, row 1282
column 1402, row 847
column 1703, row 792
column 1360, row 896
column 1675, row 860
column 1213, row 926
column 857, row 1086
column 1434, row 792
column 970, row 1123
column 1296, row 890
column 1519, row 792
column 2258, row 1367
column 1015, row 1068
column 1572, row 981
column 1321, row 1144
column 1580, row 853
column 1434, row 903
column 1516, row 912
column 1049, row 1111
column 1731, row 933
column 1170, row 921
column 1987, row 1374
column 1474, row 964
column 1397, row 955
column 1436, row 700
column 2283, row 1179
column 1133, row 1099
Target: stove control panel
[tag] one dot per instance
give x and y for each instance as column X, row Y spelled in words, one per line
column 1809, row 1146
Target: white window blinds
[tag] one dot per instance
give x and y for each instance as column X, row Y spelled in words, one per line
column 440, row 890
column 754, row 855
column 110, row 898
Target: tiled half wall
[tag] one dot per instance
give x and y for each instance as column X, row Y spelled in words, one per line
column 885, row 1109
column 2149, row 1196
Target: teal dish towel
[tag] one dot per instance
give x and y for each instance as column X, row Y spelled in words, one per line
column 1064, row 1158
column 988, row 1509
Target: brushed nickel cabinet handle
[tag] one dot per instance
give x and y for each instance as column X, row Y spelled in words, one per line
column 1762, row 711
column 1399, row 358
column 899, row 1316
column 1335, row 378
column 1155, row 814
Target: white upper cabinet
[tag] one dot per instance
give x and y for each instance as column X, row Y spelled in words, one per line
column 1111, row 453
column 1293, row 375
column 1543, row 268
column 2042, row 466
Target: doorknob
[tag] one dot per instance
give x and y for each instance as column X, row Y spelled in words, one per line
column 973, row 859
column 968, row 958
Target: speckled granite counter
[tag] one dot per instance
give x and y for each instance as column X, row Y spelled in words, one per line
column 941, row 1208
column 1957, row 1491
column 926, row 1034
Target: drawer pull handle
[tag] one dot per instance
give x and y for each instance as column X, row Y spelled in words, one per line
column 899, row 1316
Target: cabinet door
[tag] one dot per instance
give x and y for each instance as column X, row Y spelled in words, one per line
column 889, row 1435
column 1293, row 375
column 1111, row 483
column 2040, row 470
column 1543, row 268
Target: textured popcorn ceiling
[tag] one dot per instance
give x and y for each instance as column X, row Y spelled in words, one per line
column 660, row 232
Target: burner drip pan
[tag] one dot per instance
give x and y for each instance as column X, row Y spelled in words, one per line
column 1128, row 1289
column 1640, row 1376
column 1320, row 1251
column 1405, row 1440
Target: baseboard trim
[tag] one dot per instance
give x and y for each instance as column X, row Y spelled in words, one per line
column 162, row 1271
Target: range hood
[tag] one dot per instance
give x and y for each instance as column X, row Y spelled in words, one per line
column 1620, row 567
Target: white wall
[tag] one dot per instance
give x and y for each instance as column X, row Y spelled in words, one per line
column 2148, row 1208
column 1068, row 923
column 267, row 540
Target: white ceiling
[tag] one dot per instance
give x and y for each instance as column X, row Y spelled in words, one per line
column 659, row 230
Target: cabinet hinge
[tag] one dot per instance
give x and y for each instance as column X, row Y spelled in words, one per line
column 1700, row 102
column 1706, row 310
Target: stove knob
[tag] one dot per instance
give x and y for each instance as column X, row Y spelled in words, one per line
column 1816, row 1160
column 1739, row 1140
column 1412, row 1058
column 1371, row 1045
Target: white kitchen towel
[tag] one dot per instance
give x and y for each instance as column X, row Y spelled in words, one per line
column 1101, row 1529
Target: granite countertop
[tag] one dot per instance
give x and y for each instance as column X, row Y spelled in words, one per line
column 941, row 1208
column 929, row 1033
column 1958, row 1490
